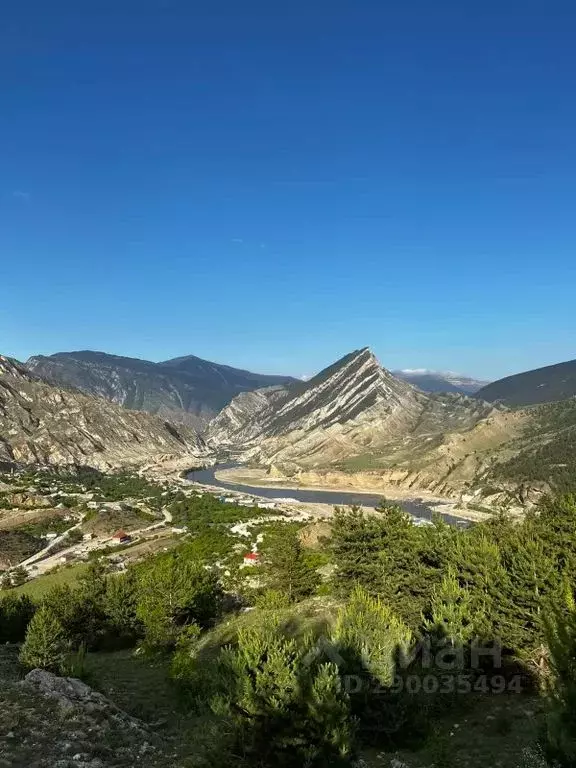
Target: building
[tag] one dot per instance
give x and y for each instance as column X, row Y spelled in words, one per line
column 252, row 558
column 121, row 537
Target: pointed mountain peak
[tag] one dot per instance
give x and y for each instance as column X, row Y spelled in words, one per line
column 11, row 367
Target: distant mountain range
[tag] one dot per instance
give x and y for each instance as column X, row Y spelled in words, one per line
column 440, row 381
column 186, row 389
column 354, row 424
column 542, row 385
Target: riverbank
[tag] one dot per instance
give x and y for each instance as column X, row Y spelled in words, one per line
column 416, row 501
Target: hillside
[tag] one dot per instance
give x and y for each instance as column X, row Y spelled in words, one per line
column 354, row 407
column 42, row 424
column 542, row 385
column 185, row 390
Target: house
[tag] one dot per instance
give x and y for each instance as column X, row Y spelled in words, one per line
column 121, row 537
column 252, row 558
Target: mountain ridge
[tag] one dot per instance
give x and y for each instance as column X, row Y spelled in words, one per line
column 186, row 390
column 351, row 407
column 547, row 384
column 41, row 424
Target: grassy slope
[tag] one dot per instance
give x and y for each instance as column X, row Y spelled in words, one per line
column 485, row 731
column 37, row 588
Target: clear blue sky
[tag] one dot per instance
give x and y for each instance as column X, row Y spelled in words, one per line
column 273, row 184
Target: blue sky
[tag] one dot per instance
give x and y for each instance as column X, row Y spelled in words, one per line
column 274, row 184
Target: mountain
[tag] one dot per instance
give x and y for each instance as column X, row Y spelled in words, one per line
column 354, row 407
column 184, row 390
column 43, row 424
column 542, row 385
column 440, row 381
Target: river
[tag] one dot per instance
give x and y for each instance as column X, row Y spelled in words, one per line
column 418, row 508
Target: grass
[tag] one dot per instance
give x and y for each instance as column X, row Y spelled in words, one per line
column 37, row 588
column 139, row 685
column 486, row 731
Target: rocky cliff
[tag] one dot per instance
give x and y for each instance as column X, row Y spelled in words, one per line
column 185, row 390
column 353, row 408
column 42, row 424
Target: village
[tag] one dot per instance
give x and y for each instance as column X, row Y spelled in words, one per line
column 121, row 531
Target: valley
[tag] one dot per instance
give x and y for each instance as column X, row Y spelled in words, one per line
column 177, row 559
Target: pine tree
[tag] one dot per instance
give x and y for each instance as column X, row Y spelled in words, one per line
column 451, row 614
column 531, row 576
column 174, row 592
column 16, row 612
column 45, row 642
column 356, row 543
column 561, row 720
column 478, row 561
column 286, row 569
column 555, row 524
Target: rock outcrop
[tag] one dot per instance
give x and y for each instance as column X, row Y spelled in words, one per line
column 48, row 721
column 355, row 407
column 44, row 425
column 185, row 390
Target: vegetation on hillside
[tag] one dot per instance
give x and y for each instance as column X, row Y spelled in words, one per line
column 547, row 450
column 365, row 645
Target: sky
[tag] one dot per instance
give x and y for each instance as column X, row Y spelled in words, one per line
column 272, row 185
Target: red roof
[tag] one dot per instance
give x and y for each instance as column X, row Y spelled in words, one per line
column 120, row 535
column 251, row 556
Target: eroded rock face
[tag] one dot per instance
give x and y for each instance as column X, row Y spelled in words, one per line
column 354, row 407
column 41, row 424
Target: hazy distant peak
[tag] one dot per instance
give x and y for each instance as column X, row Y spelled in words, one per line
column 430, row 380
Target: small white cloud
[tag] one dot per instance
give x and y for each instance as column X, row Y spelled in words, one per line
column 237, row 240
column 415, row 371
column 305, row 377
column 18, row 194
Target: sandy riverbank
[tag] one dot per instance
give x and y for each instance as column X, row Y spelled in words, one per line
column 258, row 478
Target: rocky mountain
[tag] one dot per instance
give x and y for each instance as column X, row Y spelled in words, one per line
column 542, row 385
column 183, row 390
column 440, row 381
column 352, row 408
column 43, row 424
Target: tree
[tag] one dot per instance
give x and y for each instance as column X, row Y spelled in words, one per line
column 374, row 646
column 287, row 706
column 531, row 576
column 286, row 568
column 561, row 688
column 45, row 642
column 174, row 592
column 385, row 554
column 478, row 561
column 356, row 543
column 81, row 617
column 16, row 612
column 451, row 613
column 555, row 524
column 120, row 604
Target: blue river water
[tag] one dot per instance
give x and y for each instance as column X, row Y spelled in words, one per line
column 416, row 507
